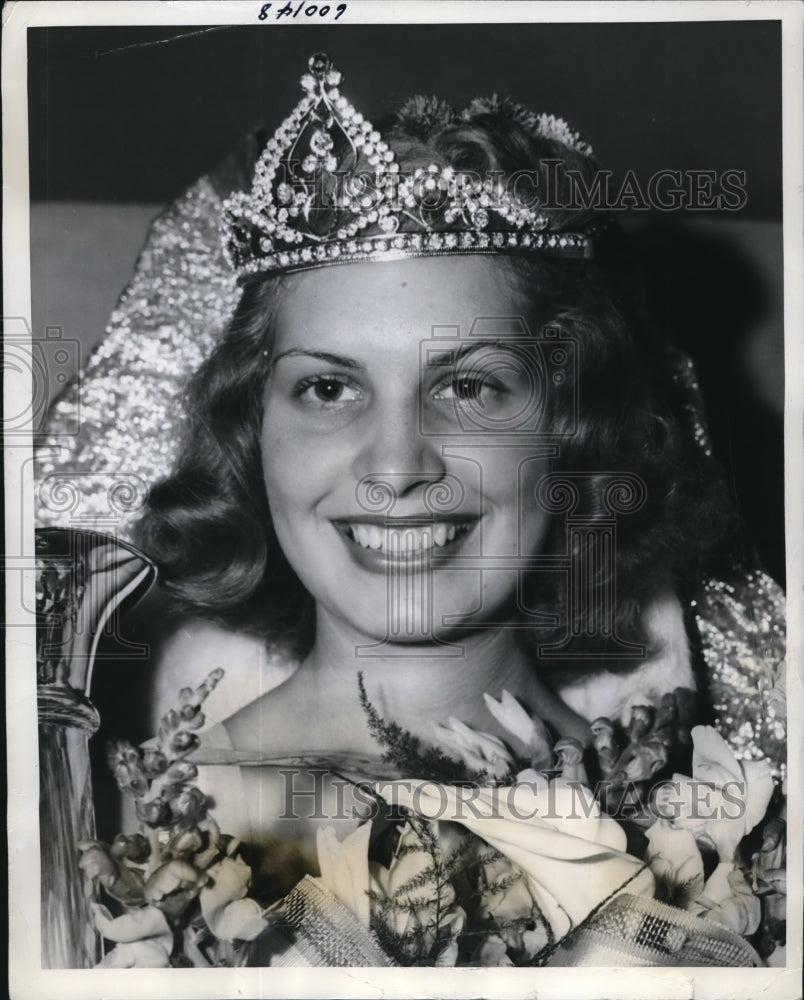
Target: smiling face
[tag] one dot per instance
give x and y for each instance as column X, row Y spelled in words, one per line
column 385, row 471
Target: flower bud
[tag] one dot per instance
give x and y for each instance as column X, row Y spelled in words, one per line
column 208, row 685
column 192, row 717
column 197, row 721
column 154, row 762
column 154, row 813
column 182, row 770
column 131, row 779
column 170, row 720
column 190, row 805
column 96, row 863
column 122, row 752
column 133, row 847
column 183, row 741
column 188, row 841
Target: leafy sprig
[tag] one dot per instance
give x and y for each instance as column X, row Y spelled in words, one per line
column 404, row 750
column 428, row 898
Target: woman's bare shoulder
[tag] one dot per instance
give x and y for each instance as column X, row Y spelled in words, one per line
column 194, row 648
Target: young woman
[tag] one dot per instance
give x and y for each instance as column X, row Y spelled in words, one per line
column 437, row 455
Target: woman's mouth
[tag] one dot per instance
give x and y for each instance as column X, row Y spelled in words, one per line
column 405, row 539
column 380, row 544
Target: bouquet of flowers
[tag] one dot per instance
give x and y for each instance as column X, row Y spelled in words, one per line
column 494, row 852
column 178, row 886
column 658, row 809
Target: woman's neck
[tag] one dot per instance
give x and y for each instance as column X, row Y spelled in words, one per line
column 414, row 685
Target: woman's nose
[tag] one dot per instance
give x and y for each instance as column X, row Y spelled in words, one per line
column 396, row 453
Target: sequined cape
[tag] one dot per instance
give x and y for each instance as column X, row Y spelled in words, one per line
column 129, row 394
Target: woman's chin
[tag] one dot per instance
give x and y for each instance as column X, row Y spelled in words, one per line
column 403, row 625
column 414, row 630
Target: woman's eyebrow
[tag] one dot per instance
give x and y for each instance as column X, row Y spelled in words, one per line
column 451, row 356
column 332, row 359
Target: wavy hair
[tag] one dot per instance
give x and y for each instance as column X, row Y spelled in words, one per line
column 208, row 526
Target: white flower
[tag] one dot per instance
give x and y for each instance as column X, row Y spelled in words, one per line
column 414, row 903
column 506, row 899
column 572, row 856
column 345, row 868
column 674, row 859
column 728, row 898
column 228, row 914
column 478, row 751
column 148, row 954
column 492, row 951
column 723, row 800
column 144, row 938
column 529, row 730
column 448, row 955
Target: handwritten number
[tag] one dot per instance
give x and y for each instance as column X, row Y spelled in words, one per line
column 310, row 10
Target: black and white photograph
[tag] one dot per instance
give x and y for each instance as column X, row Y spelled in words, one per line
column 403, row 487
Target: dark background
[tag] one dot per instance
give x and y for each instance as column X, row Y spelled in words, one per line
column 131, row 116
column 136, row 114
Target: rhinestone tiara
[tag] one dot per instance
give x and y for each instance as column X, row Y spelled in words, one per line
column 327, row 189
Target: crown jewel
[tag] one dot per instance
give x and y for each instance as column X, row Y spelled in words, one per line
column 328, row 189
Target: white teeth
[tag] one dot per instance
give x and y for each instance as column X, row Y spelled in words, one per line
column 404, row 540
column 409, row 540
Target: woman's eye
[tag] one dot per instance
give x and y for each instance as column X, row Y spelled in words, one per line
column 327, row 390
column 467, row 388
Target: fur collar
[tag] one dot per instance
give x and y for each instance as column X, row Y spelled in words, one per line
column 605, row 693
